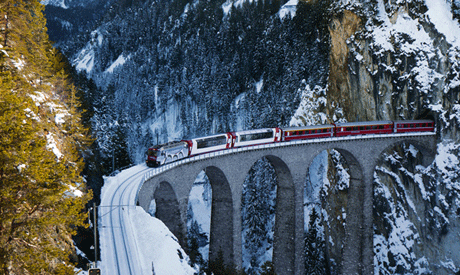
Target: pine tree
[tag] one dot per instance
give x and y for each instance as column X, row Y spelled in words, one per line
column 41, row 189
column 196, row 239
column 314, row 247
column 258, row 212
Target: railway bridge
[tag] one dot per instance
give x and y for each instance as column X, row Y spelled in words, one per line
column 170, row 186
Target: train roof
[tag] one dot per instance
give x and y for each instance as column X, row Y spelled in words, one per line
column 168, row 145
column 211, row 136
column 364, row 123
column 414, row 121
column 248, row 132
column 309, row 127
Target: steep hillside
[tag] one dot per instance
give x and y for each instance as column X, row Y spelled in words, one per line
column 42, row 143
column 177, row 69
column 399, row 60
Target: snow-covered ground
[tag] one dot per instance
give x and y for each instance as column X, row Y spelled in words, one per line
column 132, row 241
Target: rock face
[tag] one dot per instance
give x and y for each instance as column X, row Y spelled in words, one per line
column 391, row 62
column 400, row 60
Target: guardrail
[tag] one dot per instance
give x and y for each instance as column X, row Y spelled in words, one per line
column 170, row 166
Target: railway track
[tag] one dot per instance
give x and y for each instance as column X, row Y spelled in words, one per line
column 118, row 255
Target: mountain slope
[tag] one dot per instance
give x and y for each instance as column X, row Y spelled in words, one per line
column 41, row 146
column 174, row 69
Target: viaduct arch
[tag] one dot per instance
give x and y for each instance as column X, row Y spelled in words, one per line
column 170, row 187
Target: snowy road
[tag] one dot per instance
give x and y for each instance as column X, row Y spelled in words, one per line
column 131, row 241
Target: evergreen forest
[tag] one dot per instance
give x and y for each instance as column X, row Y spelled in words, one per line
column 42, row 147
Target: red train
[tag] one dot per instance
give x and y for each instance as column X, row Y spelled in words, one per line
column 172, row 151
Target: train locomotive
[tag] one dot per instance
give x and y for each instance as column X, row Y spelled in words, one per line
column 173, row 151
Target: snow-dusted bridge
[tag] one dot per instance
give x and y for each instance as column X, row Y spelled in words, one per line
column 170, row 186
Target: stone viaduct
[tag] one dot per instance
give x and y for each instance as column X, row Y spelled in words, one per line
column 170, row 187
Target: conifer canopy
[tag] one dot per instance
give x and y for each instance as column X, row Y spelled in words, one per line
column 42, row 195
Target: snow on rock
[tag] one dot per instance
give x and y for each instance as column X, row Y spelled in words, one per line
column 85, row 61
column 168, row 123
column 59, row 118
column 57, row 3
column 309, row 111
column 289, row 8
column 119, row 62
column 86, row 57
column 437, row 11
column 52, row 145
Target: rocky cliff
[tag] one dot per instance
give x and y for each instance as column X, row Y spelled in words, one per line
column 394, row 60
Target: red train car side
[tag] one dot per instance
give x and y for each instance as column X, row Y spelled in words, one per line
column 363, row 128
column 308, row 132
column 405, row 126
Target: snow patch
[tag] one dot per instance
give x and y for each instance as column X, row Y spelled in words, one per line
column 440, row 14
column 86, row 61
column 308, row 112
column 289, row 8
column 259, row 85
column 52, row 145
column 57, row 3
column 119, row 62
column 163, row 251
column 59, row 118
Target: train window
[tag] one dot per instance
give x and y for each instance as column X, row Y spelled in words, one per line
column 348, row 128
column 210, row 142
column 152, row 153
column 256, row 136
